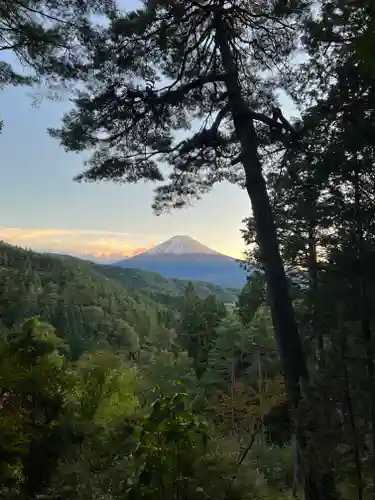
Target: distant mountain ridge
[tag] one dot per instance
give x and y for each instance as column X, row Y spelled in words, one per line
column 156, row 286
column 182, row 257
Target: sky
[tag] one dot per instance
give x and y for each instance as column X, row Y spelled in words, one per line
column 42, row 208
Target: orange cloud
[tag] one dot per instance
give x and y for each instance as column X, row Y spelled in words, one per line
column 101, row 244
column 137, row 251
column 24, row 233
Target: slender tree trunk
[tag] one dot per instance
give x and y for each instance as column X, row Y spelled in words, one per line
column 316, row 486
column 317, row 326
column 287, row 335
column 365, row 315
column 314, row 295
column 232, row 392
column 261, row 392
column 350, row 410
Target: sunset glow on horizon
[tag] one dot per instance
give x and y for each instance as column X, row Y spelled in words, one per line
column 101, row 244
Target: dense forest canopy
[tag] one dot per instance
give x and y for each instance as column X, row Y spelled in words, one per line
column 114, row 390
column 90, row 304
column 90, row 353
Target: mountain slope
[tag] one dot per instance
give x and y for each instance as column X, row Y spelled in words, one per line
column 88, row 304
column 181, row 245
column 86, row 308
column 182, row 257
column 155, row 285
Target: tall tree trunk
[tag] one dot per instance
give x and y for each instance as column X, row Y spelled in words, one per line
column 350, row 411
column 365, row 313
column 261, row 390
column 286, row 330
column 312, row 265
column 232, row 392
column 316, row 486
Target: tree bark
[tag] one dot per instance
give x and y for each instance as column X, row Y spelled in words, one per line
column 350, row 411
column 312, row 265
column 365, row 312
column 316, row 485
column 286, row 331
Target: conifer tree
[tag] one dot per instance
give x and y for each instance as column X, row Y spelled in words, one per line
column 49, row 39
column 184, row 82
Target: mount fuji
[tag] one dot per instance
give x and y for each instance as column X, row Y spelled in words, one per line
column 184, row 258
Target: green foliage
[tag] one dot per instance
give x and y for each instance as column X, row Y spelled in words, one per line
column 129, row 417
column 106, row 388
column 169, row 372
column 86, row 308
column 198, row 322
column 177, row 398
column 172, row 441
column 142, row 100
column 34, row 389
column 88, row 304
column 47, row 38
column 191, row 88
column 323, row 208
column 252, row 296
column 237, row 351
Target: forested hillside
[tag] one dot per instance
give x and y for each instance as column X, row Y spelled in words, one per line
column 101, row 362
column 156, row 285
column 179, row 414
column 89, row 305
column 86, row 308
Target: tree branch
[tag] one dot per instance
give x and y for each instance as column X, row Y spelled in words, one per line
column 205, row 136
column 174, row 95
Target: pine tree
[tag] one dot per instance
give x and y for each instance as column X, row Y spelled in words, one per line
column 197, row 66
column 45, row 36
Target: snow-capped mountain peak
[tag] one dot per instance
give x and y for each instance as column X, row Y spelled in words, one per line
column 179, row 245
column 183, row 258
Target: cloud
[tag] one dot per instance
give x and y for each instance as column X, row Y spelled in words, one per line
column 106, row 245
column 17, row 233
column 137, row 251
